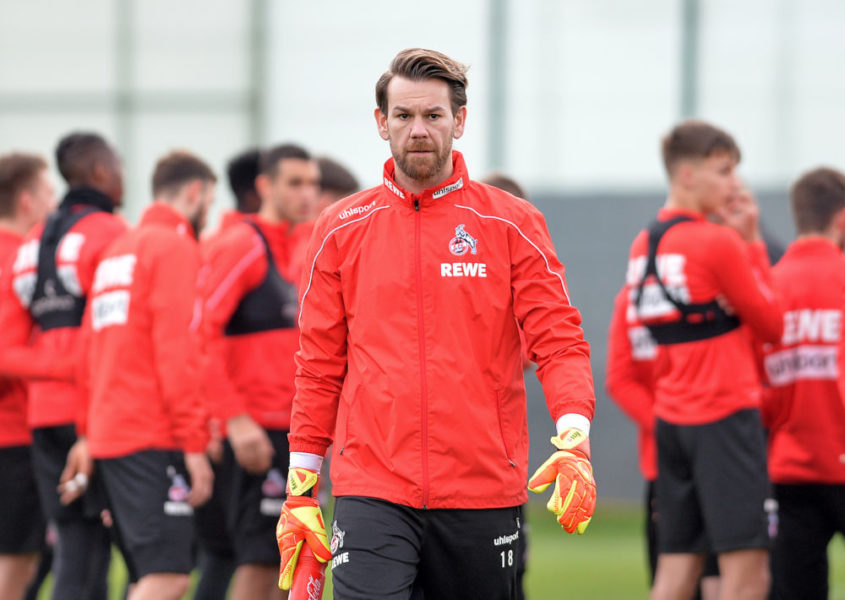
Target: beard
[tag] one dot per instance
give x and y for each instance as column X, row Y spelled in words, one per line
column 421, row 168
column 197, row 221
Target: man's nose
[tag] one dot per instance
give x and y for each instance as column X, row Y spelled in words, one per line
column 418, row 128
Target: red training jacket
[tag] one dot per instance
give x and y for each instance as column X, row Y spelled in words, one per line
column 410, row 357
column 144, row 349
column 252, row 373
column 704, row 381
column 53, row 399
column 803, row 405
column 629, row 377
column 13, row 428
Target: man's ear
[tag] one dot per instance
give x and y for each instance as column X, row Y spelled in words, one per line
column 381, row 123
column 262, row 185
column 460, row 122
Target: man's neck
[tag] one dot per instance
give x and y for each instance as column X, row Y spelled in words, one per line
column 16, row 225
column 679, row 201
column 830, row 235
column 271, row 217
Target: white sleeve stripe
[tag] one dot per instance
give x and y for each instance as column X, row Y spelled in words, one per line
column 525, row 237
column 236, row 272
column 322, row 246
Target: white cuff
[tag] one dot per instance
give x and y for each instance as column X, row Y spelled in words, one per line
column 573, row 421
column 306, row 460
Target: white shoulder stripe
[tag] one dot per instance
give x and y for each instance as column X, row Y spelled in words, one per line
column 525, row 237
column 323, row 245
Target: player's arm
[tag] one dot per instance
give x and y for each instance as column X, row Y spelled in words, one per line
column 556, row 343
column 623, row 380
column 234, row 265
column 176, row 315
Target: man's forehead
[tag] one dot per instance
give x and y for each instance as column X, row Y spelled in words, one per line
column 287, row 166
column 407, row 93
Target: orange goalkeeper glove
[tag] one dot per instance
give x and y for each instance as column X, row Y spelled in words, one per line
column 301, row 522
column 574, row 497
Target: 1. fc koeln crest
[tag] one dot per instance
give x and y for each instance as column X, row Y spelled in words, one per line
column 462, row 242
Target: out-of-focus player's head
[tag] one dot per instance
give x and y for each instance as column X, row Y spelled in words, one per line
column 288, row 184
column 421, row 103
column 87, row 160
column 700, row 161
column 506, row 183
column 336, row 183
column 242, row 171
column 187, row 183
column 27, row 194
column 818, row 204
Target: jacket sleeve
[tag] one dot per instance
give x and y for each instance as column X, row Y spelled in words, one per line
column 623, row 380
column 233, row 267
column 743, row 273
column 321, row 360
column 551, row 324
column 176, row 309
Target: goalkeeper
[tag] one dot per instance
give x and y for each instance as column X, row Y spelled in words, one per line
column 410, row 365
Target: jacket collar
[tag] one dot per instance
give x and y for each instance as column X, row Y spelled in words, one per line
column 85, row 195
column 458, row 180
column 159, row 213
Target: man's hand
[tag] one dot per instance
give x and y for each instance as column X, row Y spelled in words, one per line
column 214, row 449
column 301, row 521
column 77, row 472
column 574, row 497
column 741, row 214
column 251, row 444
column 202, row 477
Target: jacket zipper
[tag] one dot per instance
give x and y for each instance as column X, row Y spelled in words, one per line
column 421, row 328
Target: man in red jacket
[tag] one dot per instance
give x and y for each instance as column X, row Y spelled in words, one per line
column 250, row 318
column 146, row 419
column 693, row 283
column 26, row 196
column 803, row 405
column 43, row 307
column 410, row 364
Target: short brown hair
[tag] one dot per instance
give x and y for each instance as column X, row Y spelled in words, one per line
column 816, row 197
column 177, row 168
column 17, row 172
column 693, row 140
column 418, row 64
column 268, row 162
column 334, row 177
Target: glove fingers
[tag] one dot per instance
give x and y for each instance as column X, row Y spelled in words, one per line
column 545, row 474
column 290, row 556
column 319, row 543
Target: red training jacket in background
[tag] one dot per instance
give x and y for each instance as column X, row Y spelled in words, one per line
column 144, row 349
column 704, row 381
column 410, row 358
column 803, row 406
column 250, row 373
column 629, row 377
column 52, row 401
column 13, row 428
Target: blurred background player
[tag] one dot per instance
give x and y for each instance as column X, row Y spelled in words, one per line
column 146, row 419
column 336, row 182
column 216, row 553
column 51, row 278
column 250, row 317
column 682, row 271
column 26, row 197
column 630, row 377
column 803, row 405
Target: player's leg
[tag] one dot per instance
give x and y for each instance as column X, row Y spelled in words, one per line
column 81, row 553
column 255, row 505
column 216, row 555
column 21, row 522
column 681, row 539
column 471, row 553
column 799, row 553
column 147, row 493
column 733, row 487
column 376, row 549
column 650, row 506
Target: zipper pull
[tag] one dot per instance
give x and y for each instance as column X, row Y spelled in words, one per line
column 417, row 204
